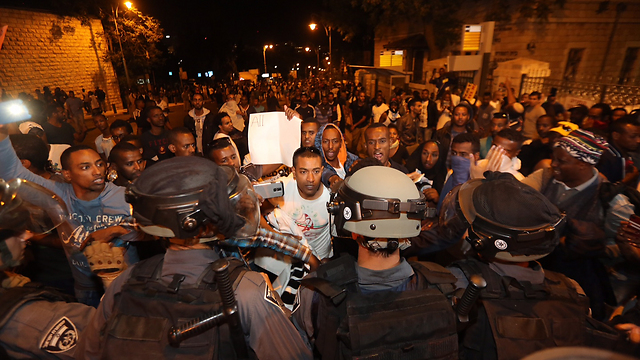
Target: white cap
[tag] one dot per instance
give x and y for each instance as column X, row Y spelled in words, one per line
column 26, row 126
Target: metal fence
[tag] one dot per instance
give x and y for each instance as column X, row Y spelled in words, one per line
column 594, row 89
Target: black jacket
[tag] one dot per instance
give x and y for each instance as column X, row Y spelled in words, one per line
column 209, row 128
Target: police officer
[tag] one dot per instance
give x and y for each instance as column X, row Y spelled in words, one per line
column 189, row 201
column 379, row 306
column 523, row 308
column 35, row 321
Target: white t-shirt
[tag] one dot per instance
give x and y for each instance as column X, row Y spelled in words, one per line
column 310, row 216
column 341, row 172
column 104, row 146
column 55, row 151
column 377, row 111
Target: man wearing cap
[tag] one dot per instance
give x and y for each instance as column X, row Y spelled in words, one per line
column 573, row 184
column 521, row 307
column 55, row 150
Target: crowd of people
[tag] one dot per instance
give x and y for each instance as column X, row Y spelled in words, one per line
column 519, row 212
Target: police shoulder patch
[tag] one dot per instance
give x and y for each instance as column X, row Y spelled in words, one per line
column 61, row 337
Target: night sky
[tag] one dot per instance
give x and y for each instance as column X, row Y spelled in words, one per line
column 206, row 34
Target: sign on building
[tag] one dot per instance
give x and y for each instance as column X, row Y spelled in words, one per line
column 391, row 58
column 471, row 38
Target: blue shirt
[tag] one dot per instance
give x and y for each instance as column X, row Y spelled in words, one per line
column 108, row 209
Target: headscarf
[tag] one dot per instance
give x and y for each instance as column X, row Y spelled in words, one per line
column 342, row 153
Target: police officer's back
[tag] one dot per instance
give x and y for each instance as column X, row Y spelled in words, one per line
column 381, row 305
column 185, row 200
column 523, row 308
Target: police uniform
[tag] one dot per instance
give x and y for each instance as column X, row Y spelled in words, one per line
column 522, row 310
column 39, row 324
column 415, row 319
column 268, row 332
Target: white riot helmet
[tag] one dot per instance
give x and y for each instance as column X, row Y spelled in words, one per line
column 379, row 202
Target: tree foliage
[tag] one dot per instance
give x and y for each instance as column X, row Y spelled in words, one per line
column 139, row 35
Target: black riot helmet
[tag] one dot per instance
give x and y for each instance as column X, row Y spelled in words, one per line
column 502, row 218
column 176, row 197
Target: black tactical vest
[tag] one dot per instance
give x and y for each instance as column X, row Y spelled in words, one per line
column 515, row 319
column 146, row 308
column 415, row 324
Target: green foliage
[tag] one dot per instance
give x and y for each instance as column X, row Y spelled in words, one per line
column 139, row 35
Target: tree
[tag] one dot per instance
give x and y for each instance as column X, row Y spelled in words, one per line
column 139, row 35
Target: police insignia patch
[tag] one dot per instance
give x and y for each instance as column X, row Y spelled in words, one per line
column 61, row 337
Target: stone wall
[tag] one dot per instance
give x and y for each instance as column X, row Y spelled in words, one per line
column 42, row 49
column 578, row 25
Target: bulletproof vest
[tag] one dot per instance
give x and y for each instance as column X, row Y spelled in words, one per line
column 515, row 319
column 414, row 322
column 146, row 308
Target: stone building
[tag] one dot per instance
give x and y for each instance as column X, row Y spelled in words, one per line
column 43, row 49
column 583, row 41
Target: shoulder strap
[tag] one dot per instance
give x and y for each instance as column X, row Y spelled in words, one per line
column 147, row 269
column 473, row 266
column 435, row 274
column 333, row 278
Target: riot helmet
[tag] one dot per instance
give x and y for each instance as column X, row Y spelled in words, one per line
column 26, row 206
column 177, row 197
column 379, row 202
column 501, row 218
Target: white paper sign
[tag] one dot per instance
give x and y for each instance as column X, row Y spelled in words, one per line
column 272, row 138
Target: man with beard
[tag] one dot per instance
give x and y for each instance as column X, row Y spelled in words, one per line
column 99, row 207
column 408, row 128
column 200, row 121
column 302, row 212
column 459, row 124
column 126, row 160
column 378, row 146
column 573, row 184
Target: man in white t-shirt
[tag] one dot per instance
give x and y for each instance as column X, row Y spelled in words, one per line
column 55, row 150
column 104, row 142
column 302, row 212
column 379, row 110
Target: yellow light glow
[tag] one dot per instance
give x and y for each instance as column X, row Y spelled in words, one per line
column 307, row 49
column 128, row 4
column 313, row 26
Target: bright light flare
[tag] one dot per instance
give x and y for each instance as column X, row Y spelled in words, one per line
column 313, row 26
column 128, row 4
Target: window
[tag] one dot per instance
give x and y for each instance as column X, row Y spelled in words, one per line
column 628, row 64
column 573, row 62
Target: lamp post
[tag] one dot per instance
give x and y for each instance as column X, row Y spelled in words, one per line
column 264, row 55
column 327, row 30
column 128, row 4
column 308, row 49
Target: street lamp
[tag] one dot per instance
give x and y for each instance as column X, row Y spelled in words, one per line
column 128, row 4
column 308, row 49
column 327, row 30
column 264, row 55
